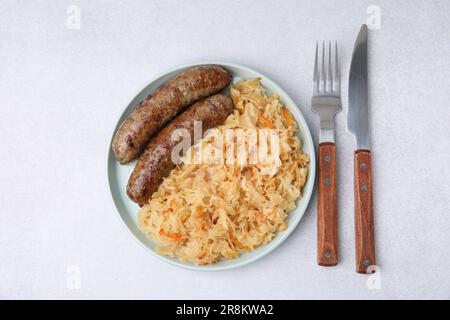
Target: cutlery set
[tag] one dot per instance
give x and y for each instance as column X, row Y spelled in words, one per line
column 326, row 102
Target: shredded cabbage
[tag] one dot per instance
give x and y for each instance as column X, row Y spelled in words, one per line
column 204, row 212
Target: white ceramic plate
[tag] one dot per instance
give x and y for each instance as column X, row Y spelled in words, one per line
column 128, row 210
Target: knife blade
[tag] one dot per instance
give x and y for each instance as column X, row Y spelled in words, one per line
column 358, row 125
column 358, row 104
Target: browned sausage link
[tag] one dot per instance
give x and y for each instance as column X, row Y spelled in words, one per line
column 163, row 105
column 156, row 162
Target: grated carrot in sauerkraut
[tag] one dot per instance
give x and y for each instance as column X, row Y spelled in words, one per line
column 204, row 212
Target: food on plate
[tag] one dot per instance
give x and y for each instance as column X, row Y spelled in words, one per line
column 156, row 162
column 208, row 211
column 164, row 104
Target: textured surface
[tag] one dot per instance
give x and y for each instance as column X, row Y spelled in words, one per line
column 327, row 214
column 62, row 91
column 364, row 219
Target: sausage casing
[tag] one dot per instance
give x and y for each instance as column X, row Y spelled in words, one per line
column 156, row 162
column 163, row 105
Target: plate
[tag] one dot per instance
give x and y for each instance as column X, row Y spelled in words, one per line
column 118, row 174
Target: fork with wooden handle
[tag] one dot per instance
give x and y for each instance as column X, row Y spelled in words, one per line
column 326, row 102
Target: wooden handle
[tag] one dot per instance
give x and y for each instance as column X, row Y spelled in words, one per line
column 327, row 227
column 364, row 224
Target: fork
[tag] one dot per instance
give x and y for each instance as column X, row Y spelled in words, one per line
column 326, row 102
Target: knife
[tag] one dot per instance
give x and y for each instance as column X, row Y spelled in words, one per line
column 358, row 125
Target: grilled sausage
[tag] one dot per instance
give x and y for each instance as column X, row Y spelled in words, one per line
column 163, row 105
column 156, row 162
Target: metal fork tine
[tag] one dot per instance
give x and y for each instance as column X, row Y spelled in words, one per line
column 329, row 70
column 324, row 78
column 316, row 70
column 327, row 80
column 337, row 77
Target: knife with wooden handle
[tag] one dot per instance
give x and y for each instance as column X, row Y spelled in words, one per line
column 358, row 125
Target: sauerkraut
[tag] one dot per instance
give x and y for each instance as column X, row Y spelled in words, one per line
column 211, row 210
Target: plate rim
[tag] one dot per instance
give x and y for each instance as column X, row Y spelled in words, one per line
column 306, row 196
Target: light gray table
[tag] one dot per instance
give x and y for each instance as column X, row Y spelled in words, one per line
column 63, row 87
